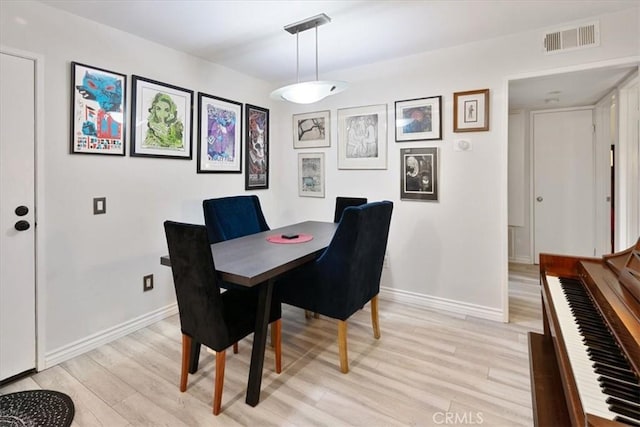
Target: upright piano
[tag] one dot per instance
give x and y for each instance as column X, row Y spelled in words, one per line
column 585, row 369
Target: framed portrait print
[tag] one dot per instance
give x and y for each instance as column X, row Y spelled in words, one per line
column 219, row 135
column 311, row 174
column 98, row 110
column 419, row 119
column 471, row 111
column 312, row 130
column 362, row 137
column 257, row 148
column 161, row 116
column 419, row 169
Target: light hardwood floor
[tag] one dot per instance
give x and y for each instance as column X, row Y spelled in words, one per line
column 429, row 368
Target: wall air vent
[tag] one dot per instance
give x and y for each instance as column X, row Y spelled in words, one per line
column 572, row 38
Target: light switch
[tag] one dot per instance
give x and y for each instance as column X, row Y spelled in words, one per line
column 99, row 205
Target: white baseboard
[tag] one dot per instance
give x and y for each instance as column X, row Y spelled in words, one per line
column 100, row 338
column 431, row 302
column 521, row 260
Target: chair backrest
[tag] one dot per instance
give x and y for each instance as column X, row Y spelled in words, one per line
column 194, row 276
column 235, row 216
column 344, row 202
column 351, row 266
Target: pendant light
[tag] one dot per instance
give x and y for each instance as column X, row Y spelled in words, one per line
column 314, row 90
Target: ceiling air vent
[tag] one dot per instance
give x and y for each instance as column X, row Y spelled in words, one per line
column 571, row 38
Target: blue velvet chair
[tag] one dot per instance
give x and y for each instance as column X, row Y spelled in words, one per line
column 344, row 202
column 235, row 216
column 208, row 316
column 347, row 274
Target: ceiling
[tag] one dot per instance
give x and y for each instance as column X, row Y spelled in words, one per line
column 248, row 35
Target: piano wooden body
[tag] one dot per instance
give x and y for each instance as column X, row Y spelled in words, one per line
column 560, row 378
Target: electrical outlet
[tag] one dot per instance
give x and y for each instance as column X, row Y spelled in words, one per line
column 99, row 205
column 147, row 282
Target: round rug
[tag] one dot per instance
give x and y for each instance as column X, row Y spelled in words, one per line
column 36, row 408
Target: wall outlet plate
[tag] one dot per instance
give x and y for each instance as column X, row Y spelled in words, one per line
column 99, row 205
column 147, row 283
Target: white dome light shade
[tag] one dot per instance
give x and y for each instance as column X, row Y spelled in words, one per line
column 308, row 92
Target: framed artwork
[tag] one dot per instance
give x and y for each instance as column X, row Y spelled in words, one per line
column 162, row 117
column 471, row 111
column 419, row 169
column 257, row 148
column 98, row 110
column 311, row 174
column 219, row 135
column 312, row 130
column 362, row 137
column 419, row 119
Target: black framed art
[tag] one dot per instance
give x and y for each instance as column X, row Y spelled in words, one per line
column 257, row 148
column 219, row 135
column 419, row 173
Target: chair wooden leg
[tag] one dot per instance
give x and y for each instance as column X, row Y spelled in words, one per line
column 316, row 315
column 342, row 346
column 374, row 317
column 186, row 352
column 235, row 348
column 276, row 339
column 307, row 314
column 218, row 381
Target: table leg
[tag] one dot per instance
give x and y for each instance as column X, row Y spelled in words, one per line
column 259, row 343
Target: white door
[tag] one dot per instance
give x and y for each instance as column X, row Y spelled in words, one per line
column 17, row 242
column 564, row 208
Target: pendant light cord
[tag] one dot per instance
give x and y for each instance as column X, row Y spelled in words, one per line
column 316, row 51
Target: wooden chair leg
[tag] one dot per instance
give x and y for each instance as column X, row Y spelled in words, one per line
column 342, row 346
column 316, row 315
column 184, row 370
column 218, row 381
column 307, row 314
column 374, row 317
column 276, row 338
column 235, row 348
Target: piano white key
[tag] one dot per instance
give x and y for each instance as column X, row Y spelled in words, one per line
column 591, row 395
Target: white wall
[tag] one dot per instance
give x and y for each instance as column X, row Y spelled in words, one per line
column 450, row 253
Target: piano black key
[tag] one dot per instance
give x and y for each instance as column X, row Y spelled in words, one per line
column 622, row 394
column 627, row 421
column 612, row 373
column 626, row 411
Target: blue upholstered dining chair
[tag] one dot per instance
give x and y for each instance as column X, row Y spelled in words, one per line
column 344, row 202
column 235, row 216
column 347, row 274
column 208, row 316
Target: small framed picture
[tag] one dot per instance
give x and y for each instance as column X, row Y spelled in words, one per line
column 471, row 111
column 219, row 135
column 161, row 116
column 311, row 174
column 419, row 119
column 312, row 130
column 362, row 137
column 257, row 142
column 98, row 110
column 419, row 169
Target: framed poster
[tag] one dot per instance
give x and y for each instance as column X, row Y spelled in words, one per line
column 471, row 111
column 219, row 135
column 312, row 130
column 419, row 173
column 98, row 110
column 419, row 119
column 311, row 174
column 362, row 137
column 257, row 148
column 162, row 115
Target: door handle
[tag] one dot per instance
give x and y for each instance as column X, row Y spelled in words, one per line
column 22, row 225
column 539, row 198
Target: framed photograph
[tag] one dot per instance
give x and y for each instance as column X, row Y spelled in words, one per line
column 471, row 111
column 219, row 135
column 362, row 137
column 98, row 104
column 419, row 119
column 419, row 169
column 257, row 148
column 311, row 174
column 162, row 116
column 312, row 130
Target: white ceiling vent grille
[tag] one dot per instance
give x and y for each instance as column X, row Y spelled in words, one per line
column 571, row 38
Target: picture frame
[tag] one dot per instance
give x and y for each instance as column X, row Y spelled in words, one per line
column 98, row 111
column 419, row 119
column 419, row 173
column 219, row 135
column 362, row 137
column 256, row 148
column 471, row 111
column 311, row 177
column 161, row 116
column 312, row 130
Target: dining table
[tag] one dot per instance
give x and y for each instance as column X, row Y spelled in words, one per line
column 258, row 260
